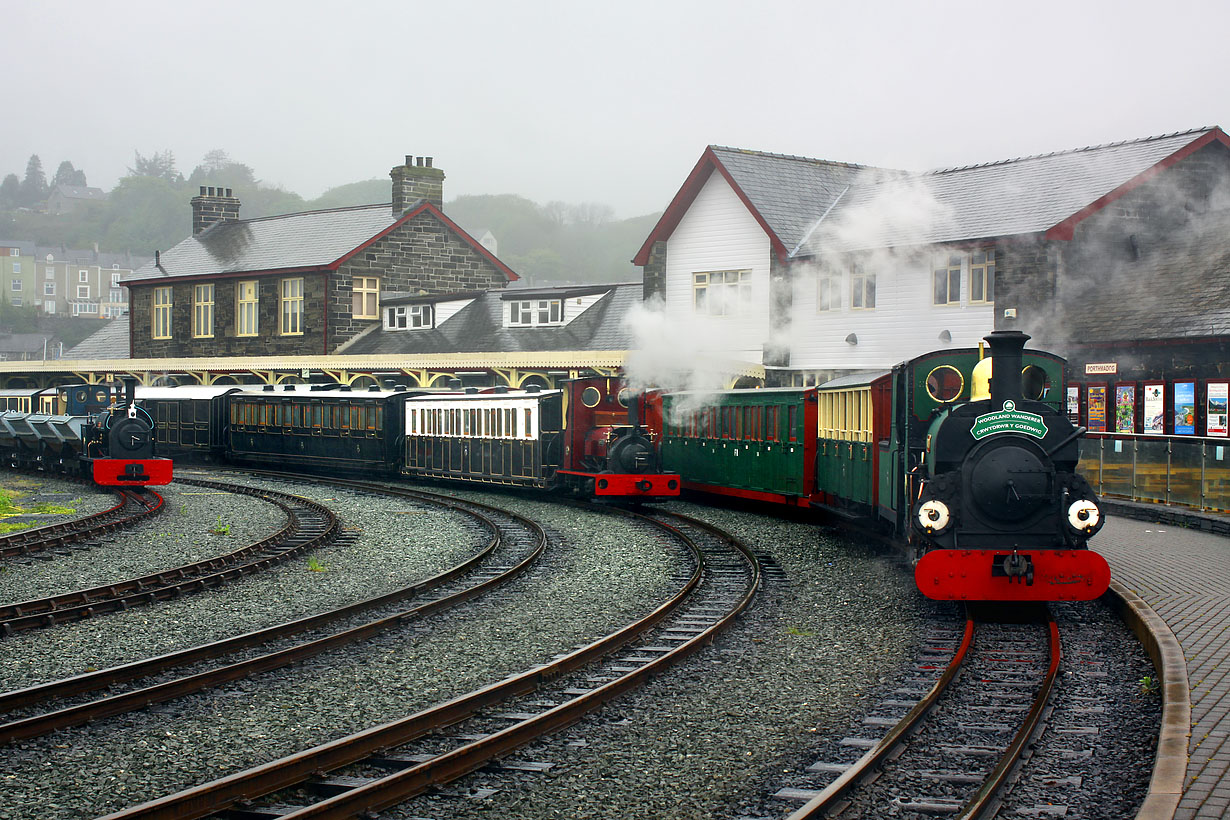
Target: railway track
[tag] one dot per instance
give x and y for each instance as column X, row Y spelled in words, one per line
column 514, row 544
column 134, row 506
column 954, row 751
column 309, row 526
column 385, row 765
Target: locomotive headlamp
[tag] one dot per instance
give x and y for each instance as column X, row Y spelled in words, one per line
column 933, row 516
column 1084, row 515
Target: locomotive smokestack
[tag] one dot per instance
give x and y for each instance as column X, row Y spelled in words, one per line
column 1006, row 347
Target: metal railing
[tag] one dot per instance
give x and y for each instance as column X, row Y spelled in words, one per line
column 1187, row 470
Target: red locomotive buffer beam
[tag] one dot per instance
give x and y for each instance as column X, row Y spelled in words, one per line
column 974, row 575
column 652, row 485
column 141, row 472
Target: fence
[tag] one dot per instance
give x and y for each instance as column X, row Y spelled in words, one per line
column 1167, row 469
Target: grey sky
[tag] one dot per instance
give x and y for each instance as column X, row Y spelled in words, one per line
column 609, row 102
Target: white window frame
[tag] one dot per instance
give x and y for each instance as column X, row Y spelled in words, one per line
column 722, row 292
column 862, row 288
column 17, row 301
column 83, row 291
column 49, row 288
column 16, row 267
column 828, row 291
column 14, row 251
column 83, row 275
column 16, row 285
column 946, row 272
column 982, row 273
column 536, row 313
column 115, row 280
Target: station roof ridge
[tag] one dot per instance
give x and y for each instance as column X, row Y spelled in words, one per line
column 1069, row 151
column 793, row 157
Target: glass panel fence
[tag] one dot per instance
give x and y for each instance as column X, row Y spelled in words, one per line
column 1168, row 469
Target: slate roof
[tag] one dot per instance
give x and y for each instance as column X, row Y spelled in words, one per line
column 1008, row 198
column 790, row 192
column 108, row 342
column 478, row 328
column 313, row 239
column 1180, row 288
column 24, row 342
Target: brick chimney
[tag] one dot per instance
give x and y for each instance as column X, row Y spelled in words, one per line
column 213, row 205
column 414, row 181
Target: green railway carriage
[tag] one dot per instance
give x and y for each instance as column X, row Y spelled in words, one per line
column 848, row 446
column 748, row 443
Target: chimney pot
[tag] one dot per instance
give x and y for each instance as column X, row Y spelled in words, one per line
column 228, row 191
column 202, row 190
column 409, row 160
column 420, row 162
column 429, row 162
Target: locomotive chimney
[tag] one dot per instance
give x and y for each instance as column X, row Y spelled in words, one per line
column 1006, row 347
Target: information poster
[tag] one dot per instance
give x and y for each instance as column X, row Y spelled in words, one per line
column 1185, row 408
column 1155, row 408
column 1125, row 408
column 1216, row 417
column 1074, row 405
column 1097, row 408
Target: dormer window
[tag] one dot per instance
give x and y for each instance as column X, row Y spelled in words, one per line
column 408, row 317
column 535, row 312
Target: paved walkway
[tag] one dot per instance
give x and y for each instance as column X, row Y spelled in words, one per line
column 1184, row 575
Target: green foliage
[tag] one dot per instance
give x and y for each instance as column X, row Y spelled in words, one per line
column 316, row 566
column 367, row 192
column 801, row 633
column 1149, row 685
column 66, row 174
column 221, row 529
column 33, row 188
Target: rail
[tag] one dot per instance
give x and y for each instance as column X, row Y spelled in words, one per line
column 1186, row 470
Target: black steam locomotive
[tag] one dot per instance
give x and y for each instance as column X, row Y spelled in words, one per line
column 1001, row 512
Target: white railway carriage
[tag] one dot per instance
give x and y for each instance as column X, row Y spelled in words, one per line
column 513, row 437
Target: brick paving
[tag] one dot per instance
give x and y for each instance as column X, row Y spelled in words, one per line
column 1184, row 575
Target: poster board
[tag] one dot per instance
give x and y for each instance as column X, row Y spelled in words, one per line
column 1184, row 408
column 1125, row 408
column 1155, row 408
column 1074, row 404
column 1097, row 408
column 1216, row 417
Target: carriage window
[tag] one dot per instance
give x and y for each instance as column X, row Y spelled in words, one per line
column 316, row 416
column 529, row 423
column 792, row 418
column 375, row 419
column 773, row 419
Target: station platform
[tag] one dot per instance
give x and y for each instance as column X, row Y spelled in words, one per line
column 1178, row 563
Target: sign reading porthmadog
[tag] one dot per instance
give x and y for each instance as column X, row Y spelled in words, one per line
column 1008, row 420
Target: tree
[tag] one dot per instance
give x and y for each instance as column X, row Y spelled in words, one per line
column 10, row 192
column 34, row 186
column 218, row 169
column 66, row 174
column 159, row 165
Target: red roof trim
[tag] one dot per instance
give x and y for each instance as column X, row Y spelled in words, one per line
column 450, row 224
column 686, row 195
column 1066, row 229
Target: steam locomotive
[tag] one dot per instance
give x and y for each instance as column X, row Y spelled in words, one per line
column 93, row 431
column 979, row 487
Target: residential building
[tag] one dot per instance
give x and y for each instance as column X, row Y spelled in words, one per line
column 305, row 283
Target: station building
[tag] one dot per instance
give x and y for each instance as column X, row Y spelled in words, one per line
column 1114, row 255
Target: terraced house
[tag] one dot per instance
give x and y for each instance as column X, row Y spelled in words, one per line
column 305, row 283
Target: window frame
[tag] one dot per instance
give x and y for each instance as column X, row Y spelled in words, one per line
column 361, row 288
column 713, row 296
column 944, row 270
column 862, row 288
column 203, row 311
column 290, row 306
column 160, row 317
column 246, row 309
column 828, row 292
column 983, row 273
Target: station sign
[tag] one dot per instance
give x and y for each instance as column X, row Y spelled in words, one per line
column 1101, row 368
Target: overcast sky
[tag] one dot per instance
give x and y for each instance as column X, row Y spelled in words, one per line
column 600, row 102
